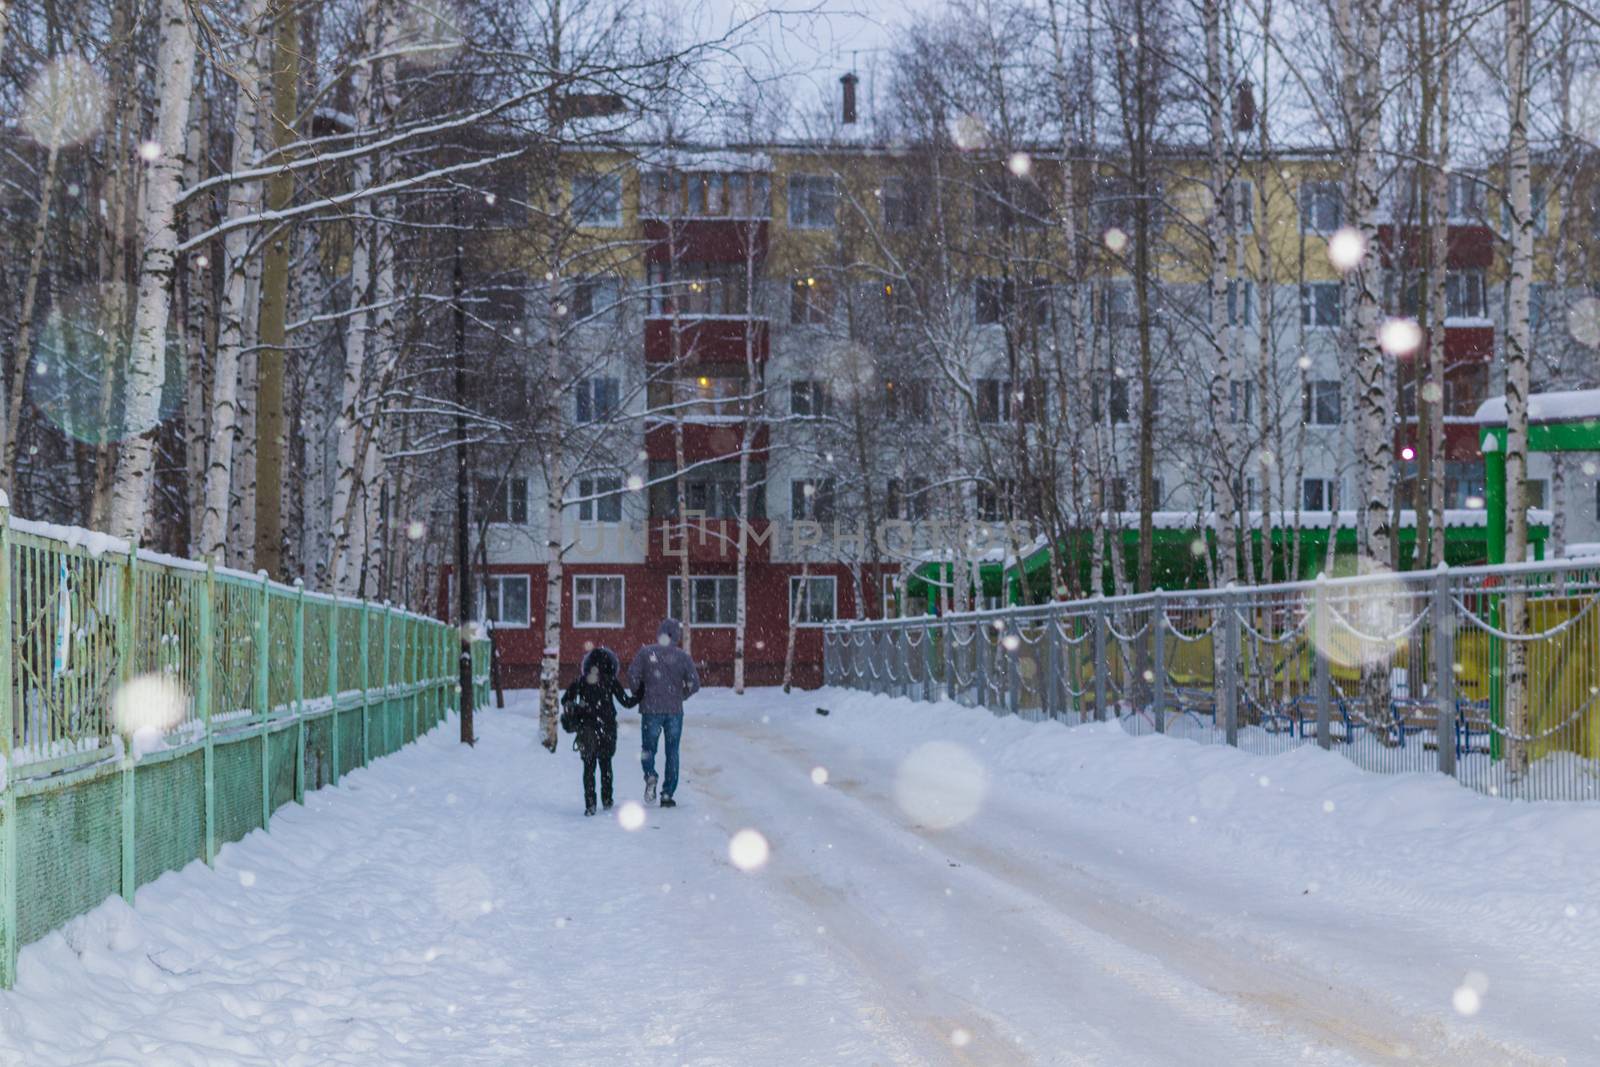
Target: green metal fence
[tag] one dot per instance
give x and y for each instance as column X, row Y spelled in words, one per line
column 248, row 692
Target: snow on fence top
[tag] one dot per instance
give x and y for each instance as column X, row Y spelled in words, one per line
column 1572, row 405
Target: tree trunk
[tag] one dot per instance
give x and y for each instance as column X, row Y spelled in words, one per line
column 175, row 59
column 242, row 199
column 271, row 430
column 1518, row 350
column 22, row 353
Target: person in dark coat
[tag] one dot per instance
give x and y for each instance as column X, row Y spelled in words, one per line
column 588, row 712
column 662, row 675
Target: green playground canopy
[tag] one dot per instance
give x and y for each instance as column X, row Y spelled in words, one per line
column 1180, row 543
column 1557, row 422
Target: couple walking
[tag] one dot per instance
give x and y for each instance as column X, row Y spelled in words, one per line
column 661, row 676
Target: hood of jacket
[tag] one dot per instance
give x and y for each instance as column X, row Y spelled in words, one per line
column 671, row 629
column 603, row 659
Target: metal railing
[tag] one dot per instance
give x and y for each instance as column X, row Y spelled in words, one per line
column 1488, row 674
column 153, row 709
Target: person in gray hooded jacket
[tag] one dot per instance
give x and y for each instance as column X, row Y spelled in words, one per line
column 661, row 676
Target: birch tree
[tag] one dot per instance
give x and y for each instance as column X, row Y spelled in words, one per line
column 175, row 60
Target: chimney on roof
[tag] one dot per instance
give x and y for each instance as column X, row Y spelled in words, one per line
column 848, row 81
column 1244, row 108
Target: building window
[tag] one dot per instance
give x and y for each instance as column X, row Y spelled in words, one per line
column 998, row 299
column 1241, row 302
column 1464, row 295
column 1538, row 492
column 597, row 200
column 811, row 202
column 1121, row 404
column 1317, row 494
column 995, row 499
column 811, row 498
column 595, row 295
column 505, row 600
column 810, row 300
column 908, row 499
column 694, row 288
column 596, row 399
column 1321, row 207
column 749, row 196
column 901, row 201
column 597, row 599
column 713, row 601
column 600, row 499
column 1536, row 200
column 1112, row 206
column 1320, row 404
column 1009, row 201
column 1117, row 306
column 813, row 599
column 906, row 400
column 1466, row 385
column 1241, row 401
column 502, row 501
column 1465, row 198
column 700, row 396
column 810, row 398
column 710, row 489
column 1463, row 484
column 994, row 400
column 1538, row 298
column 1321, row 305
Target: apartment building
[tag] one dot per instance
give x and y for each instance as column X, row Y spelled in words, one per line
column 775, row 306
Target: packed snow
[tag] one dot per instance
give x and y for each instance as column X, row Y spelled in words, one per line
column 892, row 883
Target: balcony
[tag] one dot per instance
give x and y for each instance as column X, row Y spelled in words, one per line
column 708, row 541
column 705, row 240
column 704, row 340
column 1470, row 247
column 708, row 439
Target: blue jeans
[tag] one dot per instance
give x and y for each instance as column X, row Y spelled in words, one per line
column 653, row 727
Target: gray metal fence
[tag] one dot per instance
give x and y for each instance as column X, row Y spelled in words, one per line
column 1488, row 674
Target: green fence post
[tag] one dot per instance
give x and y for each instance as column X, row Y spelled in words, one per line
column 125, row 644
column 8, row 799
column 263, row 713
column 366, row 678
column 388, row 697
column 300, row 690
column 208, row 649
column 333, row 685
column 416, row 655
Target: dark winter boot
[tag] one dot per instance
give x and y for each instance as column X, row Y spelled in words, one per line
column 668, row 802
column 588, row 809
column 649, row 788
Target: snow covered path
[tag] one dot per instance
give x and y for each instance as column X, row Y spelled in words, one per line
column 1099, row 899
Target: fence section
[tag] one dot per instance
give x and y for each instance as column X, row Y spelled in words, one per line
column 153, row 709
column 1488, row 674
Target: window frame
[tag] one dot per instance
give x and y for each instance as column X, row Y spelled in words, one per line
column 833, row 615
column 1328, row 487
column 587, row 395
column 1315, row 198
column 1308, row 305
column 808, row 187
column 1310, row 401
column 499, row 580
column 820, row 398
column 508, row 500
column 825, row 488
column 594, row 598
column 592, row 496
column 586, row 219
column 693, row 618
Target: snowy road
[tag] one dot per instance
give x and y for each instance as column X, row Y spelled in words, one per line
column 1098, row 900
